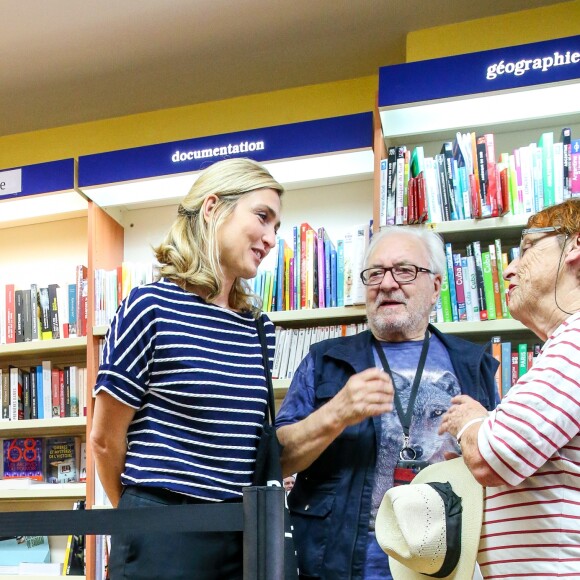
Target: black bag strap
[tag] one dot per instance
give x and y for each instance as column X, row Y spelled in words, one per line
column 266, row 361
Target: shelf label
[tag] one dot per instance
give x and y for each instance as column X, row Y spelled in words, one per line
column 295, row 140
column 500, row 69
column 10, row 182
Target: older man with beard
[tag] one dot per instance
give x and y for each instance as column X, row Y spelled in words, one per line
column 363, row 412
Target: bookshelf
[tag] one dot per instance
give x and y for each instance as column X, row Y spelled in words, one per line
column 461, row 94
column 43, row 236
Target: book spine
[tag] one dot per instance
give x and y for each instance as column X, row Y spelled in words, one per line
column 53, row 301
column 340, row 272
column 5, row 386
column 474, row 249
column 39, row 392
column 321, row 268
column 400, row 186
column 496, row 353
column 27, row 315
column 445, row 297
column 19, row 315
column 451, row 275
column 304, row 228
column 488, row 285
column 443, row 186
column 472, row 287
column 515, row 367
column 383, row 193
column 469, row 313
column 501, row 282
column 522, row 359
column 495, row 281
column 10, row 314
column 391, row 185
column 566, row 165
column 459, row 287
column 506, row 374
column 483, row 177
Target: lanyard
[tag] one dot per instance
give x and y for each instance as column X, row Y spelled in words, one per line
column 406, row 417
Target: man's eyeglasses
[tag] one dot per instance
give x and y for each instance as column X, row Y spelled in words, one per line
column 548, row 231
column 401, row 273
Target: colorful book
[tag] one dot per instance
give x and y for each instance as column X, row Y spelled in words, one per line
column 445, row 297
column 488, row 285
column 522, row 359
column 496, row 281
column 506, row 374
column 340, row 272
column 23, row 457
column 459, row 287
column 451, row 276
column 61, row 459
column 496, row 353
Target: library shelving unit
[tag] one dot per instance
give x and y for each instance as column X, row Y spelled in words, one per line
column 517, row 93
column 326, row 166
column 43, row 237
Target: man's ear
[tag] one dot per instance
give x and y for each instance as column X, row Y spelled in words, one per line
column 208, row 206
column 437, row 280
column 572, row 256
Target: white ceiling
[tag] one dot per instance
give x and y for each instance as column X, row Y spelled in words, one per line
column 71, row 61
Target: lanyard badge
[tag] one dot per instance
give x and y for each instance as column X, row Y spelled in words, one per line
column 407, row 465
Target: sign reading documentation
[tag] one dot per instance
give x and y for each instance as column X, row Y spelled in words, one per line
column 322, row 136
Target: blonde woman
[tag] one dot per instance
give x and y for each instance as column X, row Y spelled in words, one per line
column 180, row 395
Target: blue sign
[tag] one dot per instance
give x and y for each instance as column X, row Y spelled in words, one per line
column 49, row 177
column 539, row 63
column 347, row 133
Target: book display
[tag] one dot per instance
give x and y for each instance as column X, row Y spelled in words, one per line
column 474, row 149
column 43, row 238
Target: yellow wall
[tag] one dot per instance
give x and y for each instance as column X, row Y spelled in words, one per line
column 286, row 106
column 556, row 21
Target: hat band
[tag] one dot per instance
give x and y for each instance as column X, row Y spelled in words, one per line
column 453, row 511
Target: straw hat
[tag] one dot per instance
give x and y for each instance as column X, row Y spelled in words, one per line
column 432, row 526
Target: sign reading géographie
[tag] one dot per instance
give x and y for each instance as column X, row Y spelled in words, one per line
column 500, row 69
column 10, row 182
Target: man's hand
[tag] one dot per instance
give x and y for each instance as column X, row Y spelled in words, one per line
column 463, row 409
column 366, row 394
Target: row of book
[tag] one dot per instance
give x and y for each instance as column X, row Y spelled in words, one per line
column 111, row 286
column 515, row 359
column 292, row 344
column 473, row 288
column 43, row 459
column 42, row 312
column 313, row 271
column 466, row 180
column 43, row 391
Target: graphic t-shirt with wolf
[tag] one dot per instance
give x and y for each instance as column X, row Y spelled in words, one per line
column 438, row 385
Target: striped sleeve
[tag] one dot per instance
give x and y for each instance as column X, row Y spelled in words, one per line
column 540, row 414
column 128, row 351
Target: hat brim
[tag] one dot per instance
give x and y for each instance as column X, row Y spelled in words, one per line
column 465, row 486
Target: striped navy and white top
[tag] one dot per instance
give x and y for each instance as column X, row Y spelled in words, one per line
column 194, row 372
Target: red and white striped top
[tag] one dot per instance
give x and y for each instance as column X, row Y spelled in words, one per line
column 531, row 527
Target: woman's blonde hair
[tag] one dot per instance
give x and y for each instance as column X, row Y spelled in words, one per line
column 190, row 253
